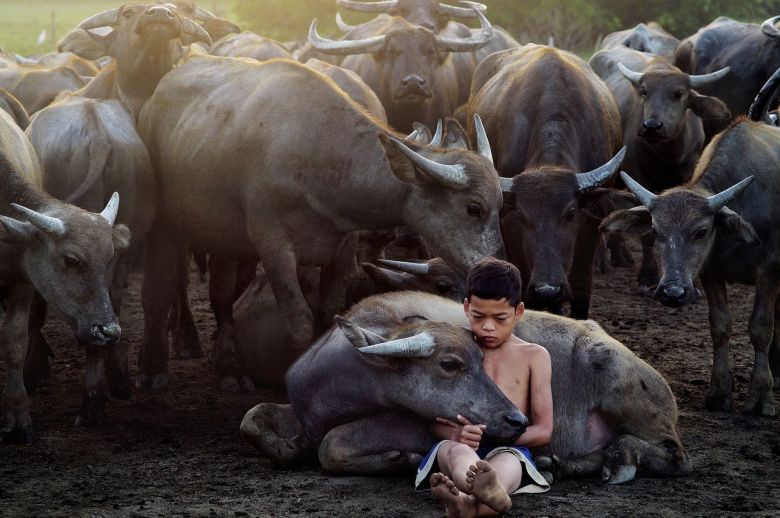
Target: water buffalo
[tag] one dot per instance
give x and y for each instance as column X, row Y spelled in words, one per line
column 614, row 414
column 650, row 38
column 59, row 250
column 430, row 14
column 12, row 106
column 36, row 86
column 752, row 52
column 290, row 204
column 249, row 45
column 526, row 97
column 662, row 115
column 217, row 27
column 411, row 69
column 723, row 238
column 352, row 85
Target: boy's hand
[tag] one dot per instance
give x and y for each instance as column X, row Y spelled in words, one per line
column 463, row 431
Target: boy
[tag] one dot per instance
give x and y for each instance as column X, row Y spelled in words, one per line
column 455, row 469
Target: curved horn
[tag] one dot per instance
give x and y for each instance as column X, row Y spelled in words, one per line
column 454, row 175
column 597, row 177
column 644, row 196
column 506, row 183
column 471, row 44
column 462, row 12
column 483, row 144
column 53, row 226
column 704, row 80
column 634, row 77
column 342, row 25
column 369, row 7
column 404, row 266
column 343, row 47
column 112, row 207
column 357, row 335
column 436, row 140
column 195, row 30
column 203, row 15
column 769, row 29
column 760, row 107
column 108, row 18
column 417, row 346
column 413, row 135
column 720, row 200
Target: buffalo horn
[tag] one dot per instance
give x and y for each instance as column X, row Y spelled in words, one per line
column 369, row 7
column 506, row 184
column 413, row 135
column 112, row 207
column 48, row 224
column 597, row 177
column 760, row 107
column 769, row 29
column 417, row 346
column 704, row 80
column 451, row 174
column 203, row 15
column 343, row 47
column 634, row 77
column 644, row 196
column 471, row 44
column 195, row 30
column 404, row 266
column 483, row 144
column 720, row 200
column 462, row 12
column 108, row 18
column 342, row 25
column 436, row 140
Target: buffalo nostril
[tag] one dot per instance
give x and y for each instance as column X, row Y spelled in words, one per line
column 546, row 291
column 674, row 291
column 653, row 124
column 111, row 331
column 516, row 421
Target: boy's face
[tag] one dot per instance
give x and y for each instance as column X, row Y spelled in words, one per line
column 492, row 321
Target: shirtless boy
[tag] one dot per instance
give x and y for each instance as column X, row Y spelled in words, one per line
column 470, row 478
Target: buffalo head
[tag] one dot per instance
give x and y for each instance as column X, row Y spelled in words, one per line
column 429, row 14
column 432, row 276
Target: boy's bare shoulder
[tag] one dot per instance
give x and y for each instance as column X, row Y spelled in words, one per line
column 528, row 350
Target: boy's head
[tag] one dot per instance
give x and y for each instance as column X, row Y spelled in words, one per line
column 493, row 304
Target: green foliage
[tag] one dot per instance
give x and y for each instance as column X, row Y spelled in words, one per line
column 574, row 24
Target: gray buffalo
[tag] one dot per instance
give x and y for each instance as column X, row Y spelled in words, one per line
column 707, row 229
column 297, row 191
column 554, row 165
column 59, row 250
column 662, row 115
column 249, row 45
column 650, row 38
column 613, row 413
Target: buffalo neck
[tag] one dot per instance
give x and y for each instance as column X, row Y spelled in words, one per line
column 138, row 73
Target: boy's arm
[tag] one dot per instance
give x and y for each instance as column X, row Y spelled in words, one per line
column 463, row 431
column 540, row 432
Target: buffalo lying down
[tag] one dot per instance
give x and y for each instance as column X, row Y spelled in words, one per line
column 614, row 413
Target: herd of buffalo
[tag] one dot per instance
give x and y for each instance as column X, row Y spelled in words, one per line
column 341, row 188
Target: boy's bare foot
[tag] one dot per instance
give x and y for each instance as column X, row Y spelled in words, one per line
column 457, row 504
column 482, row 481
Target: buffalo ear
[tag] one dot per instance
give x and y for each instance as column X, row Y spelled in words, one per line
column 355, row 334
column 402, row 167
column 632, row 221
column 600, row 203
column 16, row 232
column 120, row 235
column 454, row 135
column 86, row 44
column 708, row 107
column 733, row 224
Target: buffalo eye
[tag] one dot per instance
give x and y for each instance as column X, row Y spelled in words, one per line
column 701, row 233
column 72, row 261
column 443, row 287
column 127, row 13
column 570, row 213
column 450, row 365
column 678, row 94
column 643, row 92
column 474, row 210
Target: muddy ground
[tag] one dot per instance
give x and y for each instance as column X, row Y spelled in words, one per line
column 179, row 453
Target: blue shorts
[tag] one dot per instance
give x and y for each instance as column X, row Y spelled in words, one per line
column 532, row 481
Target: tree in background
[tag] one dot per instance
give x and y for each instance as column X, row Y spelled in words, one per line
column 574, row 24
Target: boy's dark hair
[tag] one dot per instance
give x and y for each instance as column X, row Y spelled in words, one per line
column 494, row 279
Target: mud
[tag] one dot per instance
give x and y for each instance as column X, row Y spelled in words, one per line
column 179, row 453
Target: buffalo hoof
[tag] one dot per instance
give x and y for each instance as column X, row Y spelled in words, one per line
column 186, row 344
column 92, row 413
column 717, row 401
column 276, row 432
column 401, row 460
column 548, row 476
column 618, row 474
column 17, row 429
column 36, row 364
column 153, row 382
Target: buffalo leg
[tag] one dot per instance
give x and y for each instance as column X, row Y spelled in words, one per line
column 276, row 432
column 158, row 295
column 648, row 272
column 186, row 342
column 334, row 281
column 761, row 327
column 222, row 283
column 581, row 276
column 93, row 404
column 722, row 380
column 375, row 445
column 774, row 350
column 619, row 254
column 36, row 363
column 116, row 363
column 16, row 424
column 279, row 261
